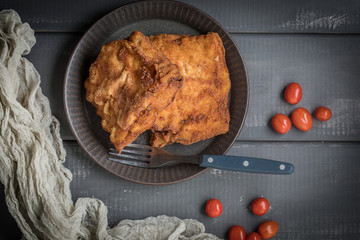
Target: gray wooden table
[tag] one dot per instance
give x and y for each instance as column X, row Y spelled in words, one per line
column 314, row 43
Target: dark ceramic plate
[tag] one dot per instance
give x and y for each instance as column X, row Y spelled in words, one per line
column 149, row 17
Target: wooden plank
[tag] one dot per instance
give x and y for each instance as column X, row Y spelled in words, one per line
column 50, row 56
column 279, row 16
column 315, row 202
column 322, row 190
column 10, row 229
column 325, row 65
column 236, row 16
column 326, row 68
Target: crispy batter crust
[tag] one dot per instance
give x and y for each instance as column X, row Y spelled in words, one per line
column 129, row 83
column 200, row 109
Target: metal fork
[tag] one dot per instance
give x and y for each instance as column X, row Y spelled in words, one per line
column 149, row 157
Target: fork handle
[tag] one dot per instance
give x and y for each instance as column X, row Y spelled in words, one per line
column 246, row 164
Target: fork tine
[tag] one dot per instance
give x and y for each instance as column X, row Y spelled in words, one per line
column 129, row 162
column 138, row 156
column 133, row 154
column 137, row 152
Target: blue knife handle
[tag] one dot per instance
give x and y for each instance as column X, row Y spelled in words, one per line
column 246, row 164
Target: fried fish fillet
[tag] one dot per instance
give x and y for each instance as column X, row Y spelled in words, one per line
column 129, row 83
column 200, row 109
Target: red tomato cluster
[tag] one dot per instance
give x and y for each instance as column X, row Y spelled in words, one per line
column 266, row 230
column 259, row 207
column 301, row 117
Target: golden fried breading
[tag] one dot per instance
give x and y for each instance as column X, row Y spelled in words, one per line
column 129, row 83
column 200, row 109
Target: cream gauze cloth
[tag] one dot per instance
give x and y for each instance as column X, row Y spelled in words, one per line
column 37, row 185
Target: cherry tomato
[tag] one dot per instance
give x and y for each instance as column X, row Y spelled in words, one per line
column 323, row 113
column 260, row 206
column 268, row 229
column 237, row 233
column 302, row 119
column 213, row 208
column 254, row 236
column 293, row 93
column 281, row 123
